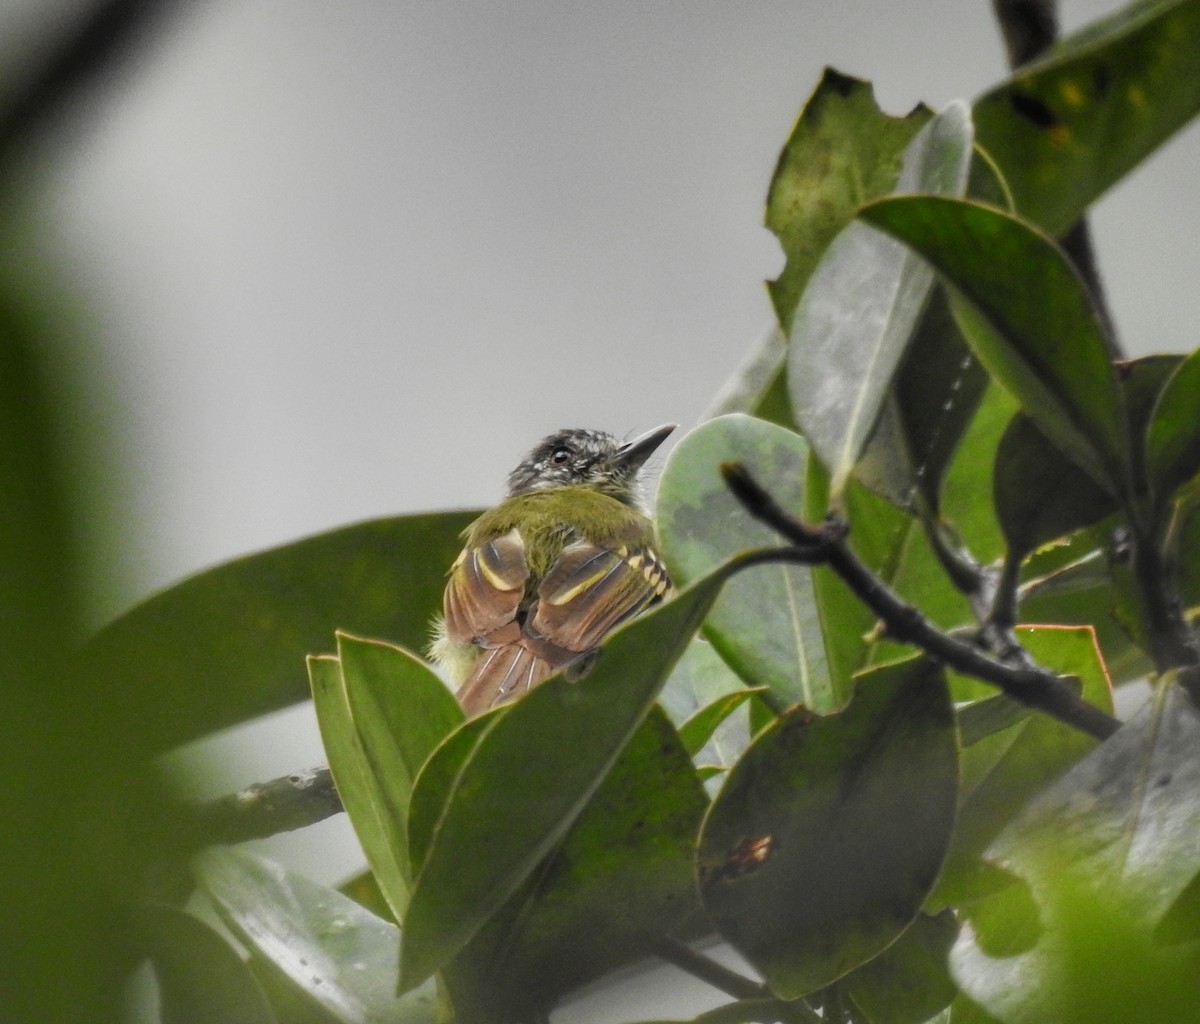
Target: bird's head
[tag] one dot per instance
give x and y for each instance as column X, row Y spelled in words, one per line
column 590, row 458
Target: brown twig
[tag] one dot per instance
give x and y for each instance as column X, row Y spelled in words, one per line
column 1031, row 685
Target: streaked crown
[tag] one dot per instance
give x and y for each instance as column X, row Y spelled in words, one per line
column 590, row 458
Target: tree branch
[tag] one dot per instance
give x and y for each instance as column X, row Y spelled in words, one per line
column 699, row 966
column 265, row 809
column 1031, row 685
column 105, row 35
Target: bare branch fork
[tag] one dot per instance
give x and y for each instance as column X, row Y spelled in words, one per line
column 1030, row 684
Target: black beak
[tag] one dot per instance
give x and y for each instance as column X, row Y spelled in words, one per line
column 633, row 456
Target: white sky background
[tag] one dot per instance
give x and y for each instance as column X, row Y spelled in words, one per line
column 348, row 260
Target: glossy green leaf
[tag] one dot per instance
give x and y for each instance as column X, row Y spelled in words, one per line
column 842, row 151
column 1028, row 318
column 1004, row 770
column 1067, row 127
column 1173, row 437
column 765, row 624
column 829, row 833
column 558, row 743
column 620, row 879
column 401, row 711
column 338, row 955
column 380, row 833
column 229, row 644
column 200, row 976
column 1039, row 493
column 861, row 307
column 909, row 982
column 1104, row 852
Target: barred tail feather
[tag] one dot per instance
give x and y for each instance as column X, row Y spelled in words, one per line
column 500, row 675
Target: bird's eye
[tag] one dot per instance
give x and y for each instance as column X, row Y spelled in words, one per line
column 560, row 455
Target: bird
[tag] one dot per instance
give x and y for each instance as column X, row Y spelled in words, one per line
column 545, row 575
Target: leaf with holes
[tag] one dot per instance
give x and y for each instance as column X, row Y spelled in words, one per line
column 842, row 151
column 861, row 308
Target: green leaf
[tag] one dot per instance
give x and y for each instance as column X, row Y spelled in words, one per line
column 1041, row 495
column 702, row 678
column 861, row 307
column 229, row 644
column 621, row 878
column 338, row 955
column 200, row 976
column 699, row 729
column 1105, row 852
column 69, row 741
column 1173, row 438
column 401, row 711
column 842, row 152
column 1002, row 771
column 437, row 778
column 828, row 834
column 1075, row 122
column 380, row 833
column 530, row 774
column 909, row 982
column 1028, row 318
column 971, row 474
column 765, row 623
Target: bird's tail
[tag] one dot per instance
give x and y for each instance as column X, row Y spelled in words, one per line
column 500, row 675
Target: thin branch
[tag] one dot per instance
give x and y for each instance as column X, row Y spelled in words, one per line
column 1029, row 27
column 105, row 35
column 709, row 971
column 1031, row 685
column 265, row 809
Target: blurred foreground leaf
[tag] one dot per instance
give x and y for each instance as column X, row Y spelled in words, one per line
column 1104, row 853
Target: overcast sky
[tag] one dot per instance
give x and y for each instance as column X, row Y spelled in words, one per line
column 348, row 260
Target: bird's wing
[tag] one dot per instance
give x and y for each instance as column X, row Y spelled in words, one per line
column 591, row 589
column 485, row 590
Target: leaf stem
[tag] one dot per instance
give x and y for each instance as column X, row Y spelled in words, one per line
column 1030, row 684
